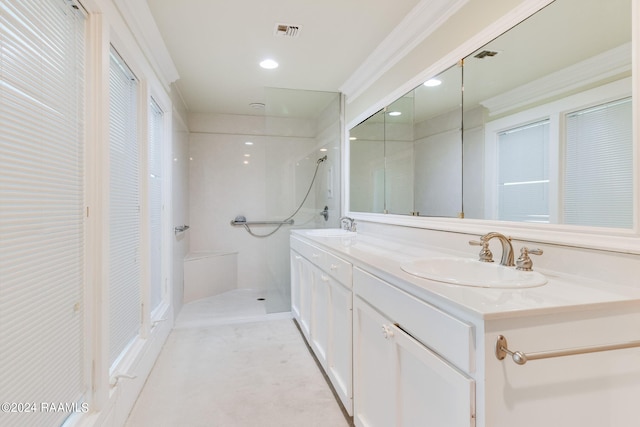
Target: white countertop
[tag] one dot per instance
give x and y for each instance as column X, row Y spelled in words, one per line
column 562, row 293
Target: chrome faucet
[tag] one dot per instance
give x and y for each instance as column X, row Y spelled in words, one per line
column 485, row 253
column 348, row 223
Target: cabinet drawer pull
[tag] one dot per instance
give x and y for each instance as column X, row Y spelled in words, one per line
column 298, row 257
column 315, row 256
column 333, row 267
column 387, row 332
column 324, row 278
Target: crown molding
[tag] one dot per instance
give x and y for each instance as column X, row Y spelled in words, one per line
column 426, row 17
column 138, row 17
column 591, row 70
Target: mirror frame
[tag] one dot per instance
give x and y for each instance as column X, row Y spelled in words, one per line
column 607, row 239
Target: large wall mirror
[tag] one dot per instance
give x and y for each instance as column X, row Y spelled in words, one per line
column 548, row 126
column 543, row 133
column 407, row 158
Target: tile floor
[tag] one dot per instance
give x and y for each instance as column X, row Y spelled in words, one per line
column 229, row 364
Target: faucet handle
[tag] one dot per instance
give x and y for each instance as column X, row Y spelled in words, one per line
column 523, row 262
column 485, row 254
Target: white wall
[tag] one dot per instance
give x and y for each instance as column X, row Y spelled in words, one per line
column 264, row 181
column 222, row 186
column 180, row 196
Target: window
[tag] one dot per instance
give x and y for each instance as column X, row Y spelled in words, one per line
column 156, row 139
column 575, row 164
column 42, row 54
column 124, row 210
column 523, row 173
column 594, row 192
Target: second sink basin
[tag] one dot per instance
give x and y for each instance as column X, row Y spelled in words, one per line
column 470, row 272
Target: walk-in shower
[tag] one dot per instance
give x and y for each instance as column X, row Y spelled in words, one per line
column 241, row 220
column 281, row 164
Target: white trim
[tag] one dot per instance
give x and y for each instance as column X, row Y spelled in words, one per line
column 164, row 102
column 137, row 15
column 604, row 239
column 596, row 69
column 426, row 17
column 503, row 24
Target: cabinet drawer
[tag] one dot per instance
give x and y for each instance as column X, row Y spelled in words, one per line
column 446, row 335
column 332, row 265
column 340, row 269
column 308, row 251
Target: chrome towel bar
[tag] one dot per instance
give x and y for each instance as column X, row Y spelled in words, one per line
column 521, row 358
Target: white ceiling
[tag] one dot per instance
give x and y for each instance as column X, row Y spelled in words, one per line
column 216, row 46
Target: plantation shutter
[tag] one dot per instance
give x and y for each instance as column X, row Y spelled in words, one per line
column 598, row 180
column 156, row 136
column 42, row 261
column 124, row 210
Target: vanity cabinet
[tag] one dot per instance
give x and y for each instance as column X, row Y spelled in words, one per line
column 402, row 351
column 399, row 380
column 301, row 280
column 321, row 302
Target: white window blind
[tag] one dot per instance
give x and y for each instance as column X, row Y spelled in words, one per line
column 42, row 46
column 124, row 210
column 598, row 180
column 156, row 138
column 523, row 173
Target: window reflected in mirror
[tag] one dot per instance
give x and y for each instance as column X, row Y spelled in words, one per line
column 539, row 131
column 548, row 123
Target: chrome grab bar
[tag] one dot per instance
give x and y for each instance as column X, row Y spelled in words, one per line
column 521, row 358
column 180, row 229
column 242, row 221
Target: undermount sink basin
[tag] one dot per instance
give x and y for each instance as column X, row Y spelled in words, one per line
column 331, row 232
column 470, row 272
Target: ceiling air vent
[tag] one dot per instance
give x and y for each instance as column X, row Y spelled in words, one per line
column 284, row 30
column 486, row 53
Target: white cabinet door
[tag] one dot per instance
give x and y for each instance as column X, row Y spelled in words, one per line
column 340, row 342
column 320, row 315
column 373, row 372
column 400, row 382
column 306, row 282
column 296, row 266
column 430, row 392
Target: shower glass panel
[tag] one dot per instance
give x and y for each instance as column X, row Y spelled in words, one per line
column 302, row 127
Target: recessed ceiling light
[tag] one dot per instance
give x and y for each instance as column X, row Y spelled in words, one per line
column 323, row 149
column 248, row 143
column 269, row 64
column 432, row 83
column 352, row 138
column 395, row 113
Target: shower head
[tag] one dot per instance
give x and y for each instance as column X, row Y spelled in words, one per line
column 321, row 159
